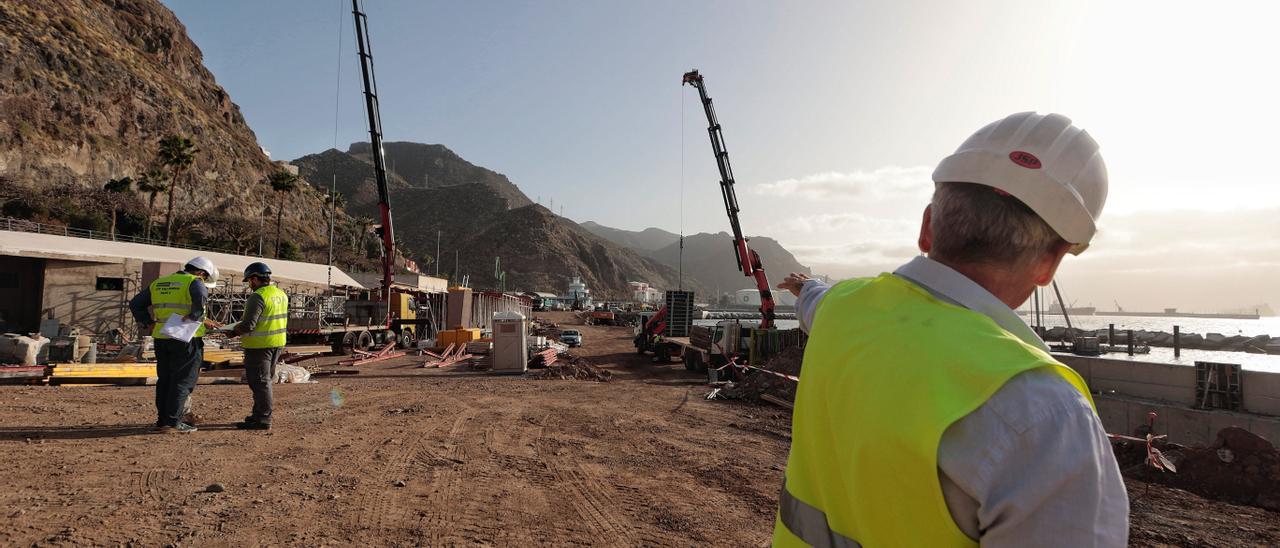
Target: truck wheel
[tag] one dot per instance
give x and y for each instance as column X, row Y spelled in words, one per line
column 343, row 343
column 364, row 341
column 407, row 338
column 701, row 364
column 690, row 363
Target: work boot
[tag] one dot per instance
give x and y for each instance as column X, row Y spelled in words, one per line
column 181, row 428
column 253, row 425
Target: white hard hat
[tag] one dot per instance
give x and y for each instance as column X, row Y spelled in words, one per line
column 206, row 265
column 1041, row 159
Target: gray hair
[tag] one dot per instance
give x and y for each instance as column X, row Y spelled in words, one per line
column 974, row 223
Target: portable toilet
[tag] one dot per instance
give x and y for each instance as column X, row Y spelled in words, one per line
column 510, row 343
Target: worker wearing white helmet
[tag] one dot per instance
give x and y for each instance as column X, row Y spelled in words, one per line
column 929, row 413
column 177, row 362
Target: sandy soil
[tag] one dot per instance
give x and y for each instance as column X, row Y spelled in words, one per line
column 404, row 456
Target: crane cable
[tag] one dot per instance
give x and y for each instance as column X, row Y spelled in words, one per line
column 337, row 102
column 680, row 270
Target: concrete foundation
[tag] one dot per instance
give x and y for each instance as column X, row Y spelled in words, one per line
column 1125, row 391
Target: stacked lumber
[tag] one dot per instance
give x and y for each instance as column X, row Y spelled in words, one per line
column 544, row 358
column 22, row 373
column 223, row 359
column 109, row 373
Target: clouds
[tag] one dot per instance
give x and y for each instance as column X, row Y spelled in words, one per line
column 879, row 183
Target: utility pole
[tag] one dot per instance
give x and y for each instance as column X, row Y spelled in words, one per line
column 333, row 212
column 437, row 253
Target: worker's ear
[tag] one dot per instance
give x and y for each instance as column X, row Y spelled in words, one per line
column 926, row 230
column 1047, row 266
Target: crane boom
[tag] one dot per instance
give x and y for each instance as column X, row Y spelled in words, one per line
column 375, row 143
column 748, row 259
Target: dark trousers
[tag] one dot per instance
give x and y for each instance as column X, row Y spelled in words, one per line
column 177, row 370
column 260, row 371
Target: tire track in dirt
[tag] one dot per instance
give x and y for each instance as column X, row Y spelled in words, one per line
column 446, row 514
column 380, row 502
column 588, row 494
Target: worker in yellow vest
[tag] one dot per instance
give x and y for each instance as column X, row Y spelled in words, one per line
column 928, row 413
column 177, row 362
column 263, row 335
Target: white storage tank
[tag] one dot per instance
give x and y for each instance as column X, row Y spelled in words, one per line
column 510, row 343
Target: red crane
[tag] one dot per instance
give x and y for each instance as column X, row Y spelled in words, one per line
column 748, row 259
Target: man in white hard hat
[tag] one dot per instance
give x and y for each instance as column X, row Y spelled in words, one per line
column 177, row 362
column 928, row 413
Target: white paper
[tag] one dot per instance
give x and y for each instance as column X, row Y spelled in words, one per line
column 179, row 327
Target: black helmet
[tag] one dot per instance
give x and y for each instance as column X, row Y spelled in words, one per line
column 260, row 270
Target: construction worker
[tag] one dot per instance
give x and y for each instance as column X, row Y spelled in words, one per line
column 262, row 328
column 177, row 362
column 928, row 412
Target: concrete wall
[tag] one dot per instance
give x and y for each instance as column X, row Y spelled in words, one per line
column 71, row 297
column 1122, row 415
column 70, row 294
column 1126, row 391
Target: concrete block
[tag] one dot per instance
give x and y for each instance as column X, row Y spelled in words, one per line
column 1114, row 414
column 1173, row 394
column 1221, row 419
column 1267, row 428
column 1261, row 392
column 1186, row 426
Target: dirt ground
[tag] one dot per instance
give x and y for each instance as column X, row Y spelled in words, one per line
column 399, row 455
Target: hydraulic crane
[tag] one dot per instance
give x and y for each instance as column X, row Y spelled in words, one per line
column 748, row 260
column 379, row 160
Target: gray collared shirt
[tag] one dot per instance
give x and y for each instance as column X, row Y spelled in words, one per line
column 1032, row 466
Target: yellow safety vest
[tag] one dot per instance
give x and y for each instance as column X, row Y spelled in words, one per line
column 887, row 369
column 171, row 295
column 274, row 321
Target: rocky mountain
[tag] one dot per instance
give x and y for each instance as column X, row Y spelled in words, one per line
column 708, row 258
column 479, row 216
column 89, row 87
column 538, row 249
column 647, row 240
column 435, row 166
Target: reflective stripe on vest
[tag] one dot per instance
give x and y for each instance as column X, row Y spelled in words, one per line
column 862, row 468
column 809, row 523
column 273, row 324
column 171, row 295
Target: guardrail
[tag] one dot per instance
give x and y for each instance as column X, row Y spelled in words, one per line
column 22, row 225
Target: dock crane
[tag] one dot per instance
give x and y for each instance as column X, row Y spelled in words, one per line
column 748, row 260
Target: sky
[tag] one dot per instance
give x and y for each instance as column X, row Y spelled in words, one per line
column 834, row 115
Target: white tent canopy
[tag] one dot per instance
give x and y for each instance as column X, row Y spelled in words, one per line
column 48, row 246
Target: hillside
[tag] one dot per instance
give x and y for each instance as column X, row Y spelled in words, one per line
column 479, row 215
column 88, row 88
column 435, row 166
column 541, row 250
column 708, row 258
column 647, row 240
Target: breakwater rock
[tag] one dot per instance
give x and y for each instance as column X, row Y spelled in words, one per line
column 1259, row 344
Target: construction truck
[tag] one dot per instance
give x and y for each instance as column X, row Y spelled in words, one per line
column 651, row 337
column 389, row 314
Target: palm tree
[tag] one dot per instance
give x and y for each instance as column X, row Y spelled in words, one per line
column 176, row 153
column 364, row 223
column 153, row 183
column 284, row 183
column 114, row 189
